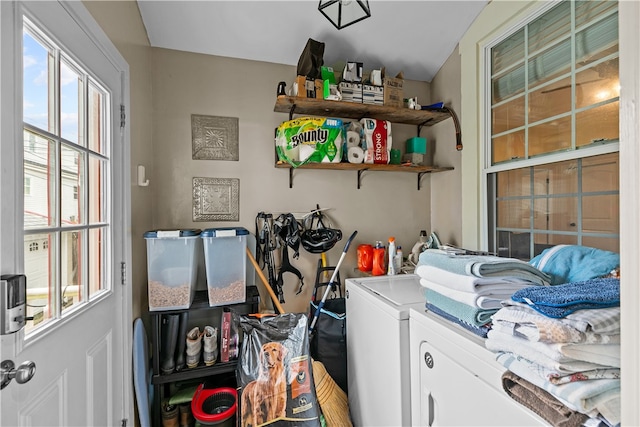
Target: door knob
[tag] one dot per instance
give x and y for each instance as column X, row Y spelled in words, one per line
column 24, row 373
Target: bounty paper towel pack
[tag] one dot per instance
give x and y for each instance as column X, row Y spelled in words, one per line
column 310, row 139
column 377, row 140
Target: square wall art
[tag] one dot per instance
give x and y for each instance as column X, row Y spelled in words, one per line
column 214, row 138
column 216, row 199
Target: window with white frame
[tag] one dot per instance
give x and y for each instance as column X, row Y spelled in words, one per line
column 66, row 160
column 552, row 164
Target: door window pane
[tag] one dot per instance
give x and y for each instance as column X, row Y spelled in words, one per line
column 72, row 184
column 67, row 169
column 96, row 185
column 95, row 114
column 40, row 269
column 71, row 247
column 70, row 103
column 38, row 83
column 40, row 171
column 97, row 243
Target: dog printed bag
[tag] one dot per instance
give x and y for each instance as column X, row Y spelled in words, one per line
column 274, row 372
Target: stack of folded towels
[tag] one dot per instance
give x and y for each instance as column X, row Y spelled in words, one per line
column 561, row 343
column 468, row 289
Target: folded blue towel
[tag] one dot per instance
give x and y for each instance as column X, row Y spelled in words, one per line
column 472, row 315
column 574, row 263
column 560, row 300
column 481, row 331
column 483, row 266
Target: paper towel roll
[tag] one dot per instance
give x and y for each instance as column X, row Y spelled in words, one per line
column 353, row 139
column 305, row 151
column 355, row 155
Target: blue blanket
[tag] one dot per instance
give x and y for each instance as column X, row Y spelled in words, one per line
column 573, row 263
column 560, row 300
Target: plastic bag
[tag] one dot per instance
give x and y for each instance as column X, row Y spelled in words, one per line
column 311, row 60
column 310, row 139
column 274, row 372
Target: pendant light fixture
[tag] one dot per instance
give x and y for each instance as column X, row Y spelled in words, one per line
column 343, row 13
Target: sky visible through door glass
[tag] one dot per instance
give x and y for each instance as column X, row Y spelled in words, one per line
column 36, row 91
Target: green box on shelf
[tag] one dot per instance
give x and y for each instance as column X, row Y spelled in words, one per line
column 417, row 145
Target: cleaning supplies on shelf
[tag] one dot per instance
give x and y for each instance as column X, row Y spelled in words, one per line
column 391, row 266
column 397, row 259
column 379, row 262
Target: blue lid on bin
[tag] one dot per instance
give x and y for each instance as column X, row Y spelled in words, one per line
column 159, row 234
column 224, row 232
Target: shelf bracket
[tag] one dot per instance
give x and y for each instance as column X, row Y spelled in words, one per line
column 420, row 174
column 290, row 177
column 421, row 125
column 292, row 111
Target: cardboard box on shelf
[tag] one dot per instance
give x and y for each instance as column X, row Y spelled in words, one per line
column 352, row 72
column 306, row 87
column 393, row 93
column 372, row 94
column 351, row 92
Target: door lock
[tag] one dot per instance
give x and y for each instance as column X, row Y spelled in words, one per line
column 24, row 373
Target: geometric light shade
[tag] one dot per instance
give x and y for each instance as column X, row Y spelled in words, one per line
column 343, row 13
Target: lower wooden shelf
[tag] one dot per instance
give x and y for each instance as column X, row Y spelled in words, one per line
column 363, row 167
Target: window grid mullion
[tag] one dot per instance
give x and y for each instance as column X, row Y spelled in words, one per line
column 83, row 262
column 573, row 78
column 526, row 91
column 56, row 106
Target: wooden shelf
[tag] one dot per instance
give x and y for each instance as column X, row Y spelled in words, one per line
column 362, row 167
column 352, row 110
column 356, row 111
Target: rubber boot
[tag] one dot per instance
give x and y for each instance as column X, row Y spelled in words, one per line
column 186, row 417
column 182, row 343
column 170, row 415
column 169, row 340
column 194, row 347
column 210, row 352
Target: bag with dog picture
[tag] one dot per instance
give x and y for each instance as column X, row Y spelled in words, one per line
column 274, row 372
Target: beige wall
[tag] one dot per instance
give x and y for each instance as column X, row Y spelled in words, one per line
column 387, row 204
column 446, row 215
column 121, row 21
column 168, row 86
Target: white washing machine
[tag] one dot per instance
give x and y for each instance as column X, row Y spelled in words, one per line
column 378, row 363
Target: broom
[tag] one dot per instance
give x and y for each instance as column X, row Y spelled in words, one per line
column 331, row 398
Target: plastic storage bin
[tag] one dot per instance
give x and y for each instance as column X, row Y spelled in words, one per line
column 172, row 268
column 225, row 261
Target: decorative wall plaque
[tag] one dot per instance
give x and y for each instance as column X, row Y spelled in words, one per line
column 216, row 199
column 214, row 138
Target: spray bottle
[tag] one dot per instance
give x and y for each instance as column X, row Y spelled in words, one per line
column 398, row 259
column 392, row 255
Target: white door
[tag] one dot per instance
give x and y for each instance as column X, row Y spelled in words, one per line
column 64, row 216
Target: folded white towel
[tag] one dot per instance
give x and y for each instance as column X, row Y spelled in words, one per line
column 468, row 283
column 483, row 298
